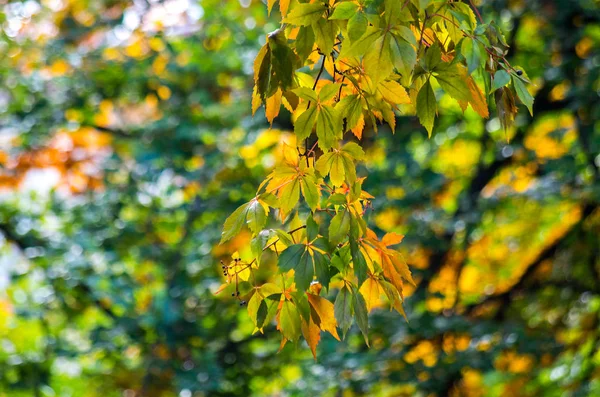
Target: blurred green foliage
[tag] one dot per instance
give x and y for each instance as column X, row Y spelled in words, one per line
column 126, row 139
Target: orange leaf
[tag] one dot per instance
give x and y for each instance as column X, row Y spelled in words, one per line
column 359, row 127
column 282, row 344
column 390, row 272
column 324, row 311
column 312, row 334
column 392, row 239
column 478, row 103
column 283, row 7
column 402, row 268
column 273, row 106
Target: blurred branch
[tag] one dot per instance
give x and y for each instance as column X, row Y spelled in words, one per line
column 548, row 253
column 113, row 131
column 483, row 176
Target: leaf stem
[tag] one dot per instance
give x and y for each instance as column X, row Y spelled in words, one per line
column 296, row 229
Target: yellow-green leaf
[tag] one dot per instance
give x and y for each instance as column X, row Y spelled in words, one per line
column 426, row 106
column 289, row 321
column 305, row 14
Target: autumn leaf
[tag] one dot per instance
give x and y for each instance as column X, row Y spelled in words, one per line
column 288, row 321
column 325, row 314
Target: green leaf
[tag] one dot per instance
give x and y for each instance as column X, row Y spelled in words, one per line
column 378, row 62
column 350, row 108
column 342, row 310
column 233, row 224
column 469, row 48
column 304, row 42
column 290, row 257
column 328, row 91
column 404, row 32
column 337, row 199
column 360, row 45
column 357, row 26
column 284, row 237
column 341, row 259
column 358, row 260
column 323, row 164
column 354, row 150
column 312, row 229
column 345, row 10
column 404, row 57
column 304, row 272
column 433, row 57
column 310, row 191
column 523, row 94
column 289, row 195
column 289, row 321
column 256, row 217
column 261, row 315
column 283, row 60
column 321, row 269
column 505, row 106
column 339, row 227
column 362, row 316
column 501, row 78
column 258, row 244
column 395, row 11
column 455, row 85
column 253, row 306
column 349, row 168
column 426, row 106
column 305, row 123
column 306, row 93
column 324, row 35
column 339, row 164
column 305, row 14
column 297, row 257
column 328, row 127
column 263, row 72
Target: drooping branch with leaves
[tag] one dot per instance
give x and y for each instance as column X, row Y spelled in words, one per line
column 339, row 68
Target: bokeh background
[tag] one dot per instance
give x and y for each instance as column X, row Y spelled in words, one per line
column 126, row 140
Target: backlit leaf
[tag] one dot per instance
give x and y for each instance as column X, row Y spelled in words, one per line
column 426, row 106
column 305, row 14
column 289, row 321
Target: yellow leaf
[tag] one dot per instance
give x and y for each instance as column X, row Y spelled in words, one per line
column 390, row 272
column 324, row 310
column 256, row 102
column 360, row 126
column 253, row 306
column 312, row 334
column 392, row 239
column 371, row 291
column 478, row 102
column 221, row 288
column 273, row 106
column 402, row 268
column 393, row 92
column 284, row 5
column 258, row 61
